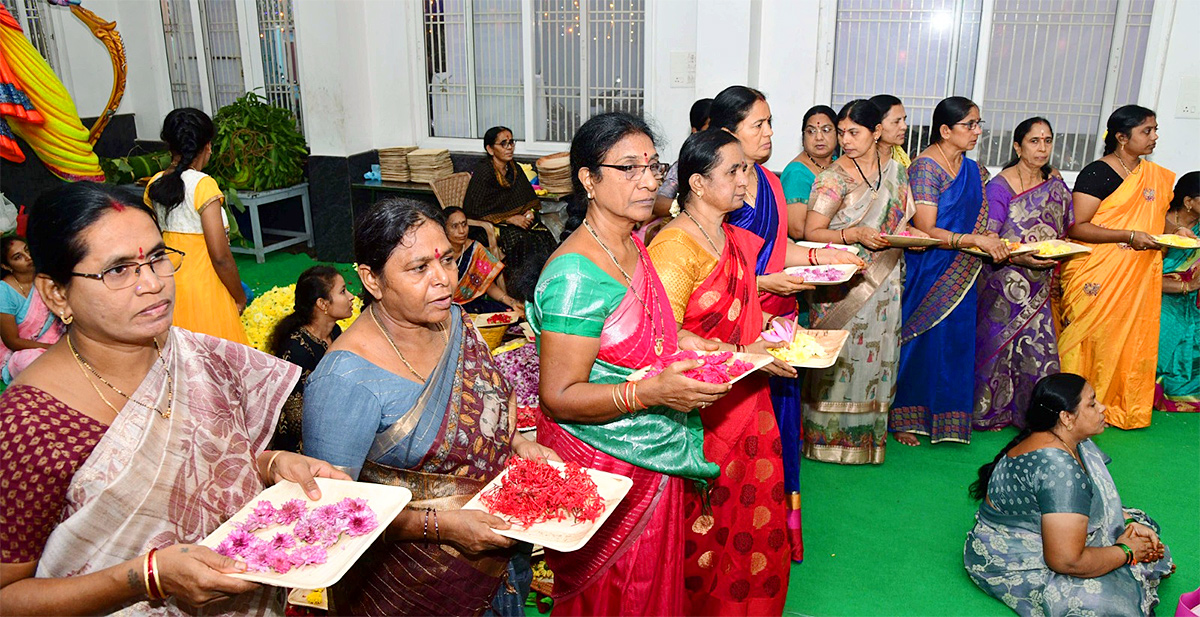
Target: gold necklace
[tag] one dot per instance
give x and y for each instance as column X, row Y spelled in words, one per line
column 391, row 342
column 1069, row 450
column 706, row 236
column 658, row 337
column 21, row 288
column 84, row 364
column 947, row 159
column 1128, row 172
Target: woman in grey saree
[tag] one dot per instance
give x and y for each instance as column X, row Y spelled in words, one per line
column 443, row 435
column 1051, row 536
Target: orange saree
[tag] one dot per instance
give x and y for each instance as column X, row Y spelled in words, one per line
column 1111, row 300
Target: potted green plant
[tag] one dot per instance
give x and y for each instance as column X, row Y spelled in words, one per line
column 257, row 147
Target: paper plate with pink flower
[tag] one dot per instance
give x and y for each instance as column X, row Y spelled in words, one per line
column 286, row 540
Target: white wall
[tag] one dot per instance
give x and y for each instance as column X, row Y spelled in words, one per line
column 1178, row 137
column 86, row 70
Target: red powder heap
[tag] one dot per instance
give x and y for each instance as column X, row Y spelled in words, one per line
column 533, row 491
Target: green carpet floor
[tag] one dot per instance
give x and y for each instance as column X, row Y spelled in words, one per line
column 888, row 539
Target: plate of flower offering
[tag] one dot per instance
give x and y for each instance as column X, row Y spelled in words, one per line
column 905, row 240
column 1014, row 248
column 554, row 505
column 1058, row 249
column 287, row 540
column 818, row 245
column 313, row 598
column 1174, row 241
column 807, row 348
column 484, row 320
column 832, row 274
column 718, row 367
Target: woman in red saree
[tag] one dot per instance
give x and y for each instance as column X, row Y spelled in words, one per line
column 600, row 312
column 707, row 268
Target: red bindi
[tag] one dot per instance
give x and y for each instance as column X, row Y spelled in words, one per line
column 141, row 253
column 437, row 253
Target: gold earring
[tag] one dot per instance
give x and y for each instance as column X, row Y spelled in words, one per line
column 66, row 320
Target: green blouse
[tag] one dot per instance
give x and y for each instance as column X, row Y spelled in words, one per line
column 574, row 296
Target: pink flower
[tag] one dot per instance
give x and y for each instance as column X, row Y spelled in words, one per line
column 306, row 531
column 309, row 555
column 291, row 512
column 237, row 543
column 283, row 541
column 264, row 509
column 351, row 505
column 361, row 523
column 279, row 561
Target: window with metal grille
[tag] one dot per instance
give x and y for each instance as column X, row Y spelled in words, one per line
column 587, row 58
column 1071, row 62
column 29, row 14
column 277, row 37
column 211, row 79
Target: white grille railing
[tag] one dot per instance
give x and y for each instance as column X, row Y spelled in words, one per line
column 28, row 13
column 475, row 57
column 182, row 64
column 277, row 37
column 1044, row 57
column 223, row 51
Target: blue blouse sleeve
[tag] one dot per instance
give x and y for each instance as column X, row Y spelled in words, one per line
column 341, row 418
column 10, row 300
column 923, row 179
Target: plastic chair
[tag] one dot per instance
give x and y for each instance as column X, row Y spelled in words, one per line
column 450, row 191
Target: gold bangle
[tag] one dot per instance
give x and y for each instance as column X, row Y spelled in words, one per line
column 614, row 395
column 146, row 575
column 271, row 462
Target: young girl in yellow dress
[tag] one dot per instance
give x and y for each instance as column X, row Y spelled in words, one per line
column 208, row 290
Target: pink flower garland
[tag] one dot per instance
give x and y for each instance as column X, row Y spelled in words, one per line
column 313, row 533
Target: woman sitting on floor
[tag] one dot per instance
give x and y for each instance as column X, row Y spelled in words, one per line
column 140, row 438
column 1051, row 536
column 303, row 337
column 480, row 287
column 27, row 327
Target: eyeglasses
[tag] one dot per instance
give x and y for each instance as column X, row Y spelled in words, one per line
column 507, row 143
column 972, row 125
column 163, row 264
column 634, row 172
column 812, row 130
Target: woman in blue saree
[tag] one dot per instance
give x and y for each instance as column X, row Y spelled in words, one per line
column 935, row 387
column 1051, row 536
column 1177, row 386
column 409, row 396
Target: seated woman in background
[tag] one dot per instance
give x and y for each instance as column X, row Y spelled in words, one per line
column 409, row 396
column 1051, row 536
column 188, row 203
column 820, row 147
column 478, row 270
column 27, row 327
column 303, row 337
column 499, row 193
column 113, row 483
column 1178, row 387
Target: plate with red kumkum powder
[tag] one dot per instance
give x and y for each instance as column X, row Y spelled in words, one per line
column 718, row 367
column 484, row 320
column 555, row 505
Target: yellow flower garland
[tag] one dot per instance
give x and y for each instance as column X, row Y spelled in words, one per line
column 268, row 309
